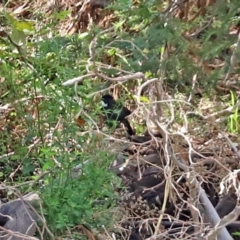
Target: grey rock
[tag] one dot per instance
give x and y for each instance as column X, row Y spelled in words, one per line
column 18, row 216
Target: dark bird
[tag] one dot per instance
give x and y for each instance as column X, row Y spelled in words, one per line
column 114, row 111
column 226, row 204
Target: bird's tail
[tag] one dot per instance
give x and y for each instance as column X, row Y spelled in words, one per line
column 128, row 127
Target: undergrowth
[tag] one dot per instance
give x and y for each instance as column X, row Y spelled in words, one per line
column 39, row 134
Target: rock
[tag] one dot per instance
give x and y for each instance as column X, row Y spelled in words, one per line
column 18, row 216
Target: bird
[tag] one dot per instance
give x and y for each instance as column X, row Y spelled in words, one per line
column 226, row 204
column 114, row 111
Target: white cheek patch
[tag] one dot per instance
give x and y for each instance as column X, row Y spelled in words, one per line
column 104, row 104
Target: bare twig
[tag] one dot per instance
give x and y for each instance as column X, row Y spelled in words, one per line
column 233, row 59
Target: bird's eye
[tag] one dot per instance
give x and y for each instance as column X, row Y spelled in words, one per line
column 104, row 104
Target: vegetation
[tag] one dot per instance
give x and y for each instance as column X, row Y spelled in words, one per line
column 190, row 49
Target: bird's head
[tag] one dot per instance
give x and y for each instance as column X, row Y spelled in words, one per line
column 107, row 100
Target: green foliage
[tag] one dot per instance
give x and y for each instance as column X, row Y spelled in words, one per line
column 233, row 119
column 72, row 201
column 236, row 234
column 151, row 30
column 32, row 84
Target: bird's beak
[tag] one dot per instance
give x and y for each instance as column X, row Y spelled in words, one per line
column 104, row 104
